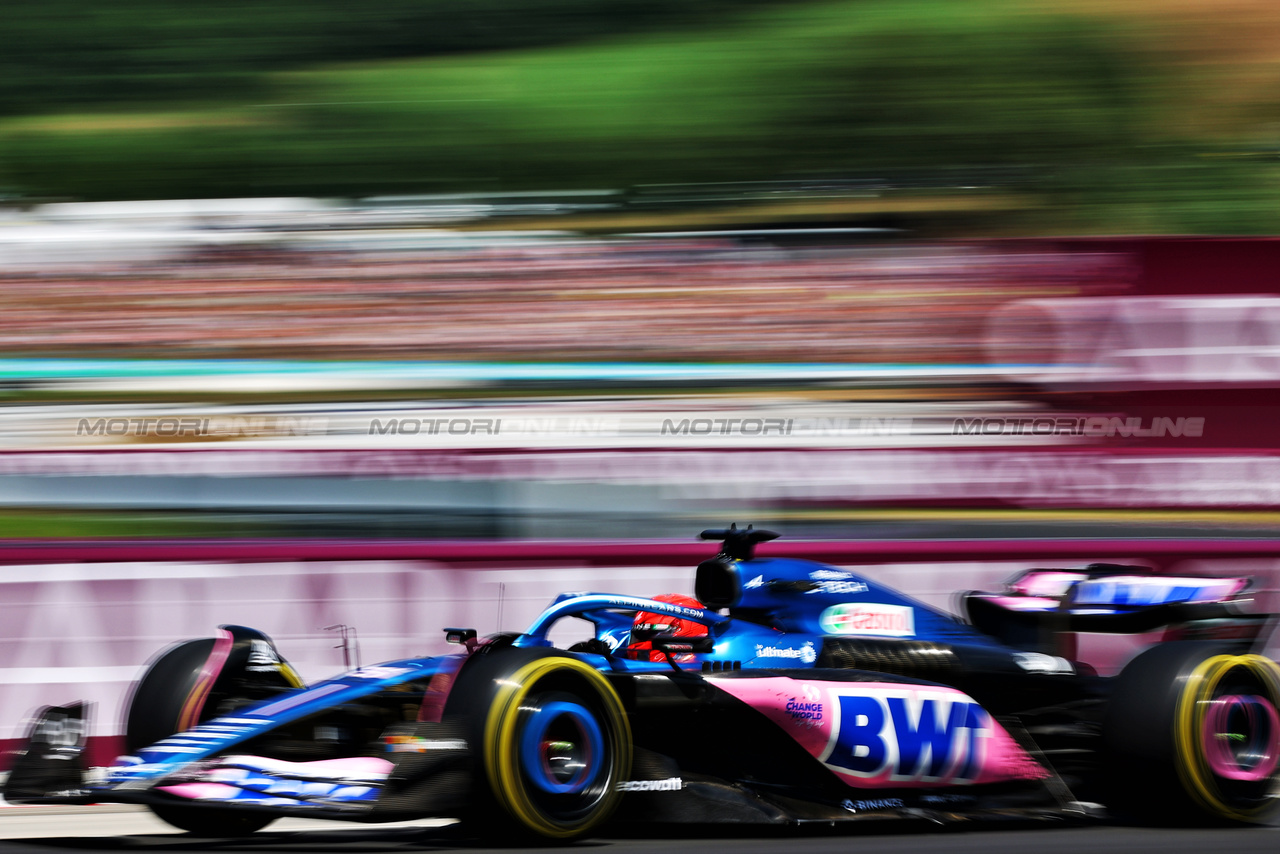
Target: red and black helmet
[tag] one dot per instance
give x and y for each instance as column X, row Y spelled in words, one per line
column 649, row 625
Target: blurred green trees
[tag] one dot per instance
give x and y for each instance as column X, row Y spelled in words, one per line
column 155, row 98
column 76, row 52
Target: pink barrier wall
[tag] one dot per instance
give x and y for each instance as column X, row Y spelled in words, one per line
column 79, row 620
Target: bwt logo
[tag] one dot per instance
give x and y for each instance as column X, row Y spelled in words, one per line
column 938, row 738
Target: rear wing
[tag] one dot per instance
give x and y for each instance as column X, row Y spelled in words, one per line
column 1038, row 604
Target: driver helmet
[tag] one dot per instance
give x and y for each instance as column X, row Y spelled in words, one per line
column 648, row 625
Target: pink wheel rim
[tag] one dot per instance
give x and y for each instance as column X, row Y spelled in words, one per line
column 1241, row 737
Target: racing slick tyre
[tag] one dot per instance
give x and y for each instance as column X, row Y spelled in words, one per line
column 1192, row 731
column 217, row 823
column 554, row 745
column 166, row 690
column 167, row 700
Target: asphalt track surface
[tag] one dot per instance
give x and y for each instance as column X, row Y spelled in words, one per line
column 115, row 829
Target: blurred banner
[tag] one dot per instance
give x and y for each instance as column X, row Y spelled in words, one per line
column 1127, row 343
column 686, row 452
column 641, row 479
column 341, row 306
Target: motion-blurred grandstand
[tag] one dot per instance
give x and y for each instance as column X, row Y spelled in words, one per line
column 310, row 283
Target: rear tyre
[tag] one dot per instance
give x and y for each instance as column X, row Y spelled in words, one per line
column 1193, row 733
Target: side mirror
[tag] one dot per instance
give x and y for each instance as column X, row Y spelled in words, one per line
column 466, row 637
column 684, row 645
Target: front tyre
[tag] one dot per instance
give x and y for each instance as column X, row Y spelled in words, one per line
column 1194, row 730
column 212, row 822
column 555, row 746
column 170, row 694
column 178, row 691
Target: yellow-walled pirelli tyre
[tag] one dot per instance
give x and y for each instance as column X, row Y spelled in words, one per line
column 554, row 745
column 1193, row 730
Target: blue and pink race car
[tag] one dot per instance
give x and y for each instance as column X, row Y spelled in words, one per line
column 786, row 692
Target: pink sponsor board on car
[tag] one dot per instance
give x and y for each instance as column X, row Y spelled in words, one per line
column 886, row 735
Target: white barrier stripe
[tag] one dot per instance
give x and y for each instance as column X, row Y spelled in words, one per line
column 67, row 675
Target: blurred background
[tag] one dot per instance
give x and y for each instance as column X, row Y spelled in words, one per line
column 313, row 315
column 1000, row 116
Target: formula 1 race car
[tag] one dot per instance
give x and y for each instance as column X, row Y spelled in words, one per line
column 788, row 692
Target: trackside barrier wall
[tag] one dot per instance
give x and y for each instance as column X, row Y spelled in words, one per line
column 79, row 620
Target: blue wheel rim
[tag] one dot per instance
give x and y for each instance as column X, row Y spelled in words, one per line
column 563, row 765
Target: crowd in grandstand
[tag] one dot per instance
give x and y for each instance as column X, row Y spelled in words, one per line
column 658, row 299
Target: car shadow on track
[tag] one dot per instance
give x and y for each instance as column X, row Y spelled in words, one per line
column 890, row 837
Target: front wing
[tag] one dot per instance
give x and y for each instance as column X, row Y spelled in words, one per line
column 424, row 769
